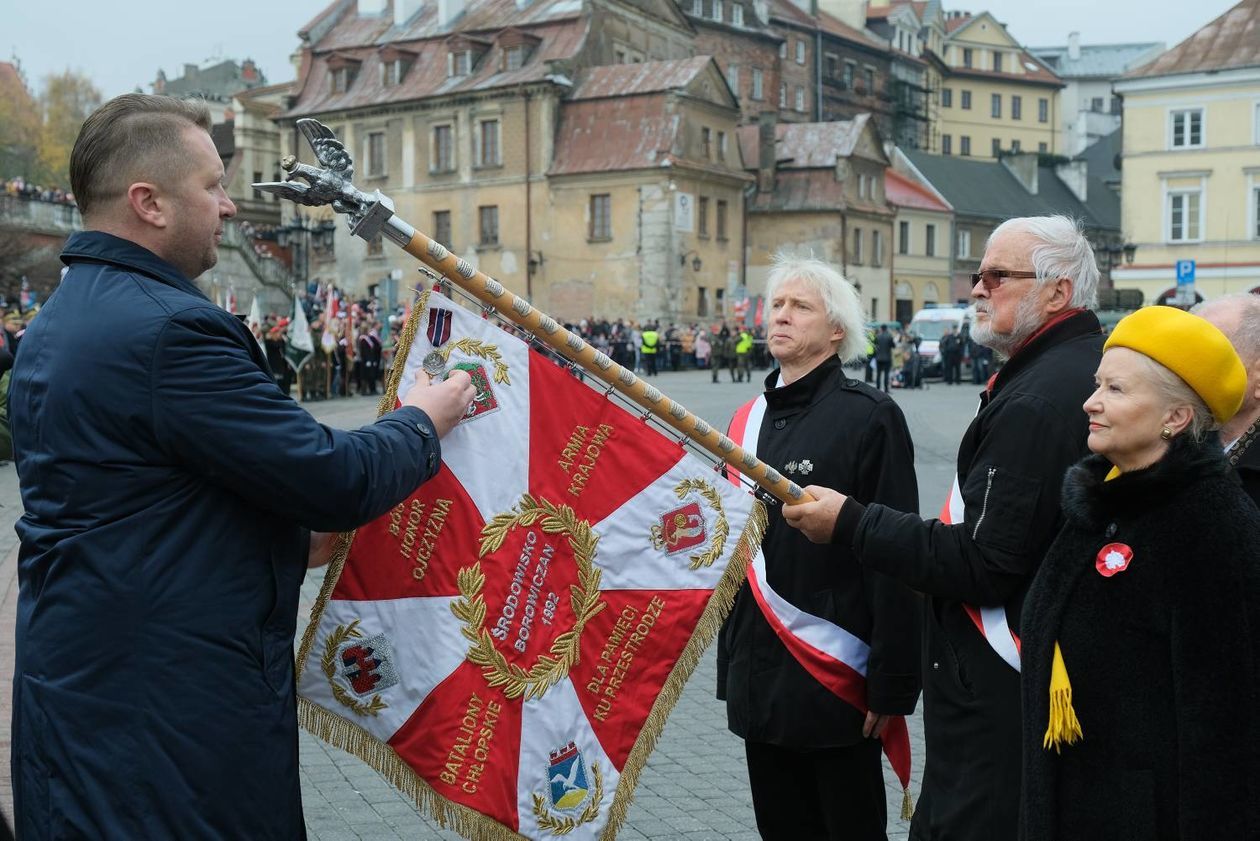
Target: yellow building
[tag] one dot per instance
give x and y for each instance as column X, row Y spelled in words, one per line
column 1191, row 175
column 921, row 248
column 994, row 96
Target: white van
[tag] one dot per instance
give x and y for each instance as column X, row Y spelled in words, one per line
column 929, row 325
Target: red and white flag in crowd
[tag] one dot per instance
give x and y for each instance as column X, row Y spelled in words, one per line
column 505, row 644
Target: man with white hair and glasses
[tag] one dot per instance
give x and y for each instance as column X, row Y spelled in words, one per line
column 1032, row 295
column 1238, row 317
column 818, row 660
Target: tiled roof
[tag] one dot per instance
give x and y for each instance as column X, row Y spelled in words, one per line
column 953, row 24
column 801, row 190
column 559, row 37
column 1230, row 41
column 834, row 26
column 884, row 12
column 988, row 190
column 1035, row 73
column 1105, row 61
column 644, row 78
column 621, row 133
column 904, row 190
column 805, row 145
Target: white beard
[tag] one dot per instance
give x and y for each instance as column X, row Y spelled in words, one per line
column 1027, row 319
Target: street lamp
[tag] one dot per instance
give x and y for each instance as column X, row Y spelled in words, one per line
column 1112, row 255
column 695, row 261
column 302, row 234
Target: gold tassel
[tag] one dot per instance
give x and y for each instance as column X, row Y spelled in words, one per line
column 1063, row 727
column 907, row 805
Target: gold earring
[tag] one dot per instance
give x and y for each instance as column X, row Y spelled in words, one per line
column 1165, row 433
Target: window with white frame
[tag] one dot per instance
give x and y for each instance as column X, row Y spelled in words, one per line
column 488, row 225
column 964, row 243
column 732, row 78
column 718, row 11
column 1184, row 215
column 800, row 51
column 601, row 217
column 757, row 92
column 929, row 240
column 1255, row 212
column 856, row 257
column 783, row 49
column 737, row 15
column 877, row 248
column 782, row 94
column 459, row 63
column 1187, row 128
column 800, row 98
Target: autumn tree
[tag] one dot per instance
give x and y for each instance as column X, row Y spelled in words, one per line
column 19, row 126
column 68, row 98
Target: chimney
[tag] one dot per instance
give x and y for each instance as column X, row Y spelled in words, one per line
column 766, row 151
column 1074, row 46
column 449, row 10
column 852, row 12
column 405, row 10
column 1074, row 175
column 1023, row 166
column 249, row 70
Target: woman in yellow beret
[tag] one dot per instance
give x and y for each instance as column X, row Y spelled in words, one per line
column 1141, row 632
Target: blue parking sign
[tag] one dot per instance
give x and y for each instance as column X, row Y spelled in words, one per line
column 1185, row 272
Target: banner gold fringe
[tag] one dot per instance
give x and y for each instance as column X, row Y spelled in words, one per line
column 350, row 737
column 715, row 611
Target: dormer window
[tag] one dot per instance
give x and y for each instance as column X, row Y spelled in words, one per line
column 343, row 69
column 516, row 46
column 459, row 64
column 394, row 65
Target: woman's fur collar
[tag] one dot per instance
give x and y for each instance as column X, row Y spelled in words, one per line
column 1092, row 502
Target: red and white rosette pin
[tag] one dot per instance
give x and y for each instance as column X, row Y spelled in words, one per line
column 1113, row 558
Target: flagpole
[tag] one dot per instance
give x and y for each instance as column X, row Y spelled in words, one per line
column 373, row 213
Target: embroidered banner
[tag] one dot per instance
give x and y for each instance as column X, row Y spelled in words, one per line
column 505, row 644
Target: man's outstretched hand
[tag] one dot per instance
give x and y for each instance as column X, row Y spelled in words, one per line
column 817, row 519
column 446, row 402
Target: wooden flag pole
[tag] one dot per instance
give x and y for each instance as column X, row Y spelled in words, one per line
column 372, row 214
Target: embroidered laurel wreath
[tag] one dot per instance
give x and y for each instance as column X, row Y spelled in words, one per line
column 481, row 350
column 329, row 664
column 547, row 820
column 470, row 608
column 720, row 530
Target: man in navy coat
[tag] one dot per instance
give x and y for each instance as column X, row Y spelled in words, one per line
column 170, row 493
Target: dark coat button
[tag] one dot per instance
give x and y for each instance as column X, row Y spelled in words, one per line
column 1111, row 531
column 780, row 423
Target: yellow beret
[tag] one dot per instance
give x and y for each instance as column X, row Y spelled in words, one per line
column 1192, row 348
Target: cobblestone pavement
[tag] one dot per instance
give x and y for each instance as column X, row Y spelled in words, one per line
column 695, row 784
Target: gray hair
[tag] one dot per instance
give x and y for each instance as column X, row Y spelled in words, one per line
column 1246, row 336
column 1064, row 252
column 844, row 308
column 1175, row 392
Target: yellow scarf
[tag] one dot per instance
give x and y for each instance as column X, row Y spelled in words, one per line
column 1064, row 728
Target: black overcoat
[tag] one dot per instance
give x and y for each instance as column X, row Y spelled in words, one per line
column 824, row 429
column 168, row 488
column 1162, row 657
column 1029, row 430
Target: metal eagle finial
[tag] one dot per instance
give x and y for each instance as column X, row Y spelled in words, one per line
column 332, row 185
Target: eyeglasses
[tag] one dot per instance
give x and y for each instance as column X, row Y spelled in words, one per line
column 993, row 278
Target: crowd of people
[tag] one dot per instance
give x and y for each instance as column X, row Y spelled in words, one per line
column 1081, row 622
column 650, row 349
column 20, row 188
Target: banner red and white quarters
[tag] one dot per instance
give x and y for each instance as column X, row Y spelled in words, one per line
column 989, row 621
column 835, row 657
column 506, row 643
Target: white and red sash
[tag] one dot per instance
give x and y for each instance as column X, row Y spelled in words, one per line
column 990, row 621
column 833, row 656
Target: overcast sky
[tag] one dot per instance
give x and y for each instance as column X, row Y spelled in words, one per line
column 122, row 45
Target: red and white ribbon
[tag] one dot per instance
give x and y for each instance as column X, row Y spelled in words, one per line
column 835, row 657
